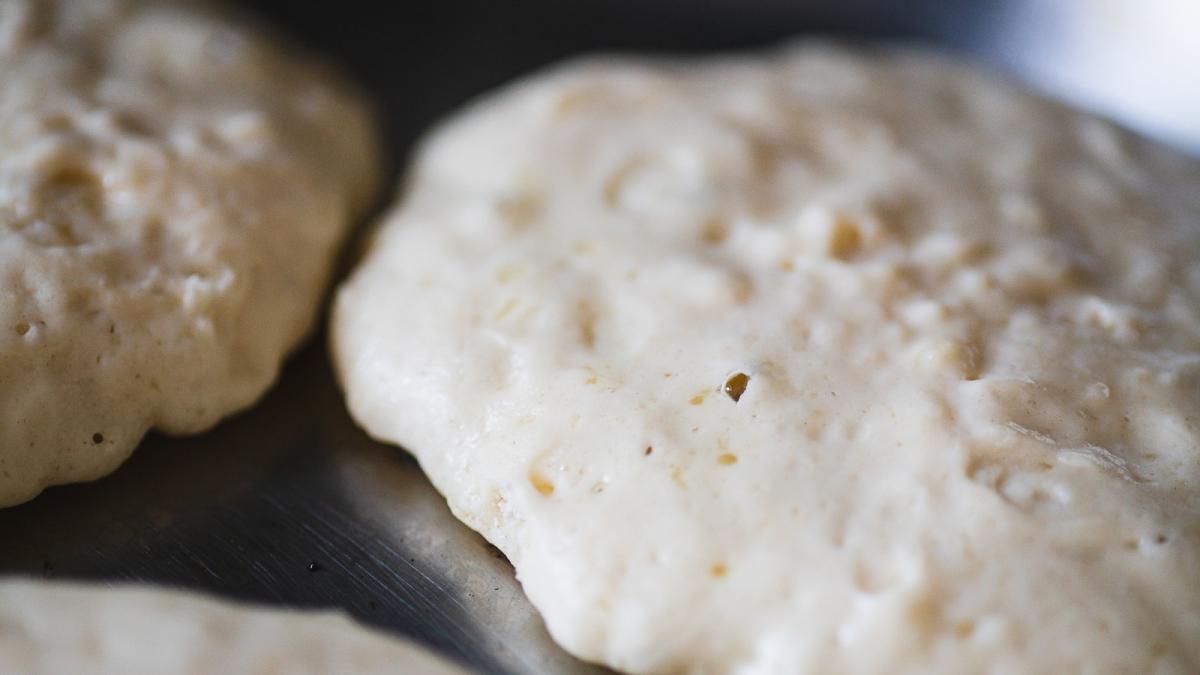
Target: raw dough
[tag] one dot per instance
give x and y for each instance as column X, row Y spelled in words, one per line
column 814, row 361
column 173, row 188
column 78, row 628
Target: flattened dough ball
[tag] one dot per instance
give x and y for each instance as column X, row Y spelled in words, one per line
column 173, row 188
column 810, row 361
column 77, row 628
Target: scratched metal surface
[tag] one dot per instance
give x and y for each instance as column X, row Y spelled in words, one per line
column 289, row 503
column 247, row 509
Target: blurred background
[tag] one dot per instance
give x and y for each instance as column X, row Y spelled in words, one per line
column 1137, row 61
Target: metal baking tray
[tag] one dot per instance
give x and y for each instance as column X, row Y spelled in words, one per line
column 289, row 503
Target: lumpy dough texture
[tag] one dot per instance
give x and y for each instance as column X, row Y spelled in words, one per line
column 967, row 317
column 75, row 628
column 173, row 187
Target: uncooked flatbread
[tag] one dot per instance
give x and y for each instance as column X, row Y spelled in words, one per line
column 173, row 188
column 816, row 361
column 77, row 628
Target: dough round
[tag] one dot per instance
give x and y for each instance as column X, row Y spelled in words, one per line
column 78, row 628
column 814, row 361
column 173, row 189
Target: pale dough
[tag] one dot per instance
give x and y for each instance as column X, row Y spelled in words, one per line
column 75, row 628
column 173, row 188
column 962, row 325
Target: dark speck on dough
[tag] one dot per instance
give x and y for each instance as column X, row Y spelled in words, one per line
column 735, row 386
column 97, row 438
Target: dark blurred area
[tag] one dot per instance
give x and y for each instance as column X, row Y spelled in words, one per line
column 1135, row 60
column 420, row 60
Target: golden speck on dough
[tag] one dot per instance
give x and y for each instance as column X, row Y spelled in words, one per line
column 727, row 458
column 743, row 288
column 508, row 273
column 519, row 209
column 963, row 629
column 587, row 324
column 719, row 570
column 787, row 266
column 698, row 399
column 715, row 230
column 613, row 186
column 959, row 357
column 677, row 477
column 505, row 309
column 736, row 385
column 592, row 379
column 571, row 101
column 541, row 484
column 845, row 239
column 22, row 328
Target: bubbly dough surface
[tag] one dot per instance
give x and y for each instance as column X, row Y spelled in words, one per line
column 810, row 361
column 76, row 628
column 173, row 187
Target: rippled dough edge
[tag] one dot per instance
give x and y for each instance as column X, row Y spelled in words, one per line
column 807, row 361
column 61, row 627
column 174, row 186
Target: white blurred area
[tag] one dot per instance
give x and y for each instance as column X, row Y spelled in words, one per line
column 1137, row 61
